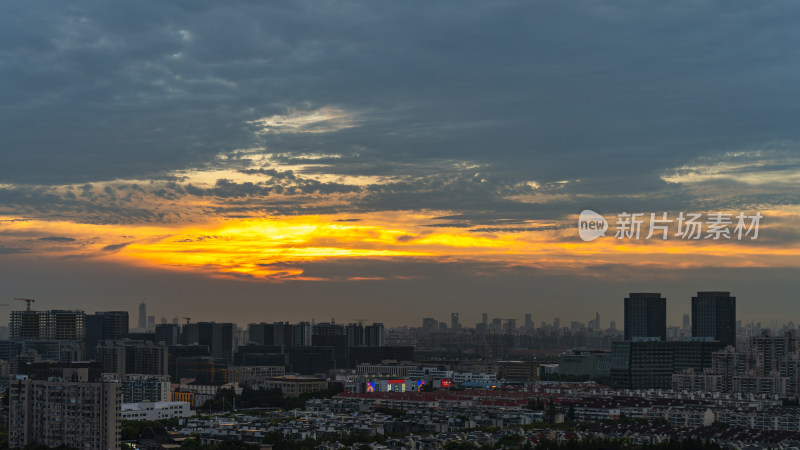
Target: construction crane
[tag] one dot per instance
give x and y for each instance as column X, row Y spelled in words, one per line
column 26, row 300
column 187, row 319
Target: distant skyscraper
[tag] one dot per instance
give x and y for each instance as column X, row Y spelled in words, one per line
column 454, row 324
column 529, row 322
column 511, row 325
column 142, row 316
column 686, row 323
column 597, row 321
column 645, row 316
column 430, row 324
column 557, row 323
column 714, row 315
column 613, row 325
column 485, row 319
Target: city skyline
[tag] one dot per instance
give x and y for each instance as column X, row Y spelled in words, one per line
column 387, row 159
column 146, row 321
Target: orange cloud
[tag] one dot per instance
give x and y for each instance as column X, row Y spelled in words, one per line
column 275, row 248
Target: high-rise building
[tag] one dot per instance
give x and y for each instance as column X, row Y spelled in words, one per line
column 714, row 315
column 686, row 322
column 48, row 325
column 374, row 335
column 142, row 316
column 773, row 350
column 105, row 326
column 647, row 363
column 176, row 352
column 168, row 334
column 454, row 323
column 280, row 333
column 485, row 319
column 529, row 322
column 355, row 335
column 57, row 335
column 430, row 324
column 335, row 336
column 218, row 336
column 123, row 357
column 74, row 409
column 645, row 316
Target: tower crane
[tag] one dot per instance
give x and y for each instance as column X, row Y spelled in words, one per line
column 26, row 300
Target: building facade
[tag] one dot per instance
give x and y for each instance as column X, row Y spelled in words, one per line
column 645, row 316
column 71, row 410
column 714, row 315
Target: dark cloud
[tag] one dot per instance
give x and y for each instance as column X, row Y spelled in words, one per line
column 57, row 239
column 115, row 247
column 95, row 92
column 12, row 250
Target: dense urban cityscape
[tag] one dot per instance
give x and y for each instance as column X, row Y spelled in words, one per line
column 90, row 380
column 399, row 225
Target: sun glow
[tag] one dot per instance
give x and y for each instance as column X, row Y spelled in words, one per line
column 280, row 248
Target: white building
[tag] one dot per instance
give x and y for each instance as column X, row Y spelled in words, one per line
column 155, row 410
column 145, row 388
column 469, row 377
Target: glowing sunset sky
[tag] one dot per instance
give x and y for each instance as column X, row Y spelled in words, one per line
column 389, row 161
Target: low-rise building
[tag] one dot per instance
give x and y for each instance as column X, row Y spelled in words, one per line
column 295, row 385
column 254, row 375
column 155, row 410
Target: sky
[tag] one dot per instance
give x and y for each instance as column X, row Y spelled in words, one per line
column 388, row 161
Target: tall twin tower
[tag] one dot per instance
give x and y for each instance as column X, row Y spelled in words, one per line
column 713, row 316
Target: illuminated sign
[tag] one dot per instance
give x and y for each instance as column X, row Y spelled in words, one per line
column 370, row 386
column 447, row 382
